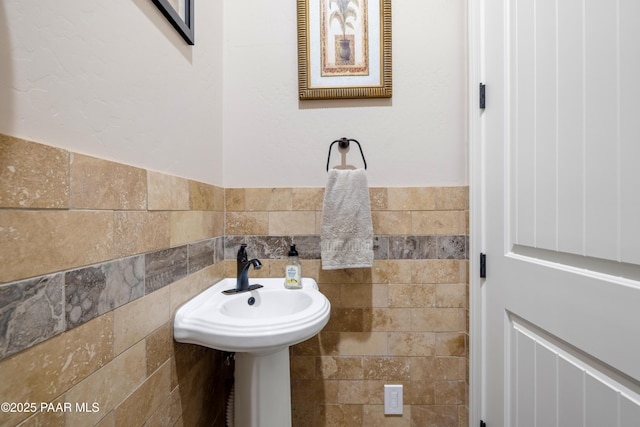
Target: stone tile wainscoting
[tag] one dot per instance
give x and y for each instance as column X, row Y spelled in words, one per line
column 404, row 321
column 95, row 258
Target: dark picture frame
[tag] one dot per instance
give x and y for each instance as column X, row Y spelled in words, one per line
column 184, row 26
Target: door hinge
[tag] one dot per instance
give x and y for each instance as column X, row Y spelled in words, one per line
column 483, row 424
column 482, row 96
column 483, row 265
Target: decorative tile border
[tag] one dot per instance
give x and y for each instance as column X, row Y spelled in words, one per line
column 36, row 309
column 384, row 247
column 68, row 299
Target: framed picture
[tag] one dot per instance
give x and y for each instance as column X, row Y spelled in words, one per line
column 180, row 14
column 344, row 49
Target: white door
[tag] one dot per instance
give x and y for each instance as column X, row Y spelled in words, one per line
column 559, row 190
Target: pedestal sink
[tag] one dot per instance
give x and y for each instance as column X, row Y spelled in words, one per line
column 258, row 325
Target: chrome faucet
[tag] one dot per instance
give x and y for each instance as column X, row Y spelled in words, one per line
column 243, row 265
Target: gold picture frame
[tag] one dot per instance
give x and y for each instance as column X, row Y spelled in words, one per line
column 344, row 49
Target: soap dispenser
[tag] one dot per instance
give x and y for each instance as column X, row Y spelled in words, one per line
column 293, row 270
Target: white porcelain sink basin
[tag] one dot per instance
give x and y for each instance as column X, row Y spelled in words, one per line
column 259, row 325
column 262, row 320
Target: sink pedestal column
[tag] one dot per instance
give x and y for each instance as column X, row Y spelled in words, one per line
column 262, row 389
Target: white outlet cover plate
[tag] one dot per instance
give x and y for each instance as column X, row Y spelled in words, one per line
column 393, row 399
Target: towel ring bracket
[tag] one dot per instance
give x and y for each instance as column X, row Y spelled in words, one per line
column 343, row 144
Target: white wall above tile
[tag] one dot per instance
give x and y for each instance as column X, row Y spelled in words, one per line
column 417, row 138
column 114, row 80
column 119, row 83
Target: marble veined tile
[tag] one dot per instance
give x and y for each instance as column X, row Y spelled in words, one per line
column 451, row 247
column 96, row 290
column 31, row 311
column 261, row 247
column 165, row 267
column 201, row 255
column 412, row 247
column 218, row 254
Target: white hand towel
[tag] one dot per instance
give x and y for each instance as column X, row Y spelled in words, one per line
column 346, row 230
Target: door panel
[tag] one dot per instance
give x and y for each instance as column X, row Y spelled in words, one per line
column 570, row 395
column 546, row 126
column 601, row 134
column 553, row 383
column 567, row 110
column 571, row 98
column 629, row 144
column 561, row 207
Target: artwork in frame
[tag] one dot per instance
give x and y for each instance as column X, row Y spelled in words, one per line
column 344, row 49
column 180, row 14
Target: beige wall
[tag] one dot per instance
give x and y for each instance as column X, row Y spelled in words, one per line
column 116, row 81
column 415, row 139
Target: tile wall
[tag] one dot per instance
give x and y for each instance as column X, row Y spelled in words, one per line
column 404, row 321
column 96, row 256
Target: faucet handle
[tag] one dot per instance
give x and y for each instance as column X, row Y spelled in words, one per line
column 242, row 253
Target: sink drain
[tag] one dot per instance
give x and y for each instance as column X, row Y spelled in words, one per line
column 251, row 301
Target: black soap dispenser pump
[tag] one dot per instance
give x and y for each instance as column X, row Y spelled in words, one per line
column 293, row 270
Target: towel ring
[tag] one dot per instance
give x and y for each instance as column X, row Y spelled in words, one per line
column 344, row 143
